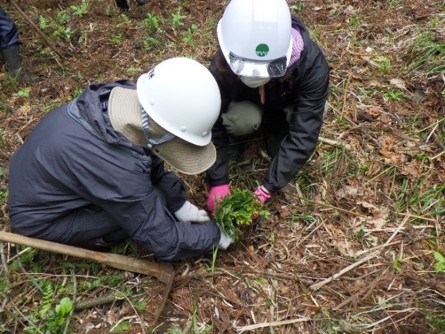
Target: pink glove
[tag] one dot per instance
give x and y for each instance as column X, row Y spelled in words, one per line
column 216, row 194
column 262, row 194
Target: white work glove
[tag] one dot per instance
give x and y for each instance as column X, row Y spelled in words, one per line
column 190, row 213
column 224, row 240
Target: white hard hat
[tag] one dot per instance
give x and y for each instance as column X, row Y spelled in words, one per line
column 255, row 37
column 182, row 96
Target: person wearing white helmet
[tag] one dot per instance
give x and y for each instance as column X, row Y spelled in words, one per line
column 92, row 172
column 273, row 78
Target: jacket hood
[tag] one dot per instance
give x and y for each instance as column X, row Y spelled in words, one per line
column 92, row 104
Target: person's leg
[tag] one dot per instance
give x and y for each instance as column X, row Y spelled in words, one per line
column 242, row 118
column 123, row 5
column 274, row 128
column 9, row 44
column 90, row 225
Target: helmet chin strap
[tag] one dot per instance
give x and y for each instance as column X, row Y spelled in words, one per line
column 146, row 128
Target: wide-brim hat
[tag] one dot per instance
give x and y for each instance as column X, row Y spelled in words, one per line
column 125, row 115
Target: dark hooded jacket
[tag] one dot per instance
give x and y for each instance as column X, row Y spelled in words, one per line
column 74, row 159
column 304, row 86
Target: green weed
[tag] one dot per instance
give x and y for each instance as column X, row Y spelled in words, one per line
column 384, row 64
column 80, row 10
column 439, row 266
column 188, row 39
column 178, row 19
column 235, row 212
column 43, row 23
column 151, row 22
column 24, row 92
column 437, row 323
column 355, row 21
column 428, row 50
column 50, row 316
column 393, row 95
column 121, row 327
column 116, row 39
column 214, row 257
column 297, row 7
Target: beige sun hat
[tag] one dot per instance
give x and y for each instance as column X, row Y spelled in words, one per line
column 125, row 114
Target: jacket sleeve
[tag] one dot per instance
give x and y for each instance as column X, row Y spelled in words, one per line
column 170, row 185
column 304, row 125
column 219, row 173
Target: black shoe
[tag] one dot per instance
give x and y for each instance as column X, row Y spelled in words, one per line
column 123, row 5
column 13, row 62
column 141, row 2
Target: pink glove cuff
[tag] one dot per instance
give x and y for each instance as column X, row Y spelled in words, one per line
column 262, row 194
column 220, row 191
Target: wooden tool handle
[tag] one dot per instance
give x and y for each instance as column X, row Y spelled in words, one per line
column 162, row 271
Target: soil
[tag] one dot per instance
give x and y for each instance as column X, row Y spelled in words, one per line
column 350, row 213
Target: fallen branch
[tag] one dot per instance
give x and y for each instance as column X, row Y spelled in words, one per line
column 334, row 142
column 105, row 299
column 270, row 324
column 317, row 286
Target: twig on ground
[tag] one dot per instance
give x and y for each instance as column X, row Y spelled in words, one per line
column 4, row 264
column 270, row 324
column 105, row 299
column 334, row 142
column 438, row 155
column 317, row 286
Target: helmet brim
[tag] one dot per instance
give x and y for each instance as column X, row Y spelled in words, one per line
column 241, row 66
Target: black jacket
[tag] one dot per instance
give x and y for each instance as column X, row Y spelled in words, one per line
column 74, row 159
column 305, row 86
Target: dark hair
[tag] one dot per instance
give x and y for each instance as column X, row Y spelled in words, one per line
column 223, row 67
column 221, row 62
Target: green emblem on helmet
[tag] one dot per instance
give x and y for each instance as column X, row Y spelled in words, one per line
column 262, row 50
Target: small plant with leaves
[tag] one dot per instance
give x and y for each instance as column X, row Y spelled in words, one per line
column 236, row 212
column 439, row 266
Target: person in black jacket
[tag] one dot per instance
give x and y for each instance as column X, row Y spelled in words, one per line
column 273, row 78
column 92, row 171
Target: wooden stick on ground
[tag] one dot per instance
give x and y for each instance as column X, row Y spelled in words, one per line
column 164, row 272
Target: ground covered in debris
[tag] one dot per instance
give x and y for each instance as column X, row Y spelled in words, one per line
column 354, row 245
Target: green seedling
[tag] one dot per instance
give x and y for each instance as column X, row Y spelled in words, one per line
column 43, row 23
column 393, row 95
column 80, row 10
column 151, row 22
column 439, row 266
column 116, row 39
column 384, row 64
column 178, row 19
column 188, row 39
column 235, row 212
